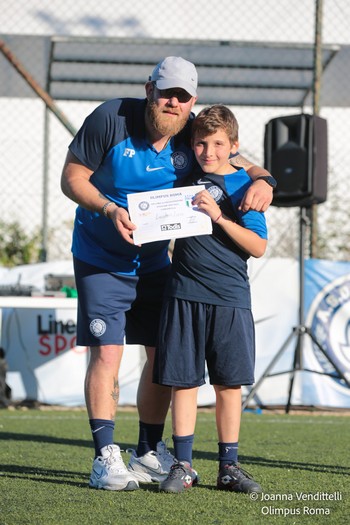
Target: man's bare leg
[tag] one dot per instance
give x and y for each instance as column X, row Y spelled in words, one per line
column 153, row 400
column 101, row 381
column 102, row 396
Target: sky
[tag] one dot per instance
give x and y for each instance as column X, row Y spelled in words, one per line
column 258, row 20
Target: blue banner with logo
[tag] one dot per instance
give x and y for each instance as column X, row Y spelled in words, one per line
column 327, row 315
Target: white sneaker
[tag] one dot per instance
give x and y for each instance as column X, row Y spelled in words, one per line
column 152, row 466
column 109, row 471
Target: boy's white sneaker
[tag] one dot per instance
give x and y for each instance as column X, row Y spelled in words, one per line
column 110, row 473
column 152, row 466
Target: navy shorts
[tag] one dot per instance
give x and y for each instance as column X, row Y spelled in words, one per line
column 192, row 334
column 113, row 308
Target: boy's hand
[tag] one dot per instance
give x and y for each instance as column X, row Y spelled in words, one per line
column 205, row 202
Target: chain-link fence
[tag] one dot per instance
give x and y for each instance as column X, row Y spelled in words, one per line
column 60, row 59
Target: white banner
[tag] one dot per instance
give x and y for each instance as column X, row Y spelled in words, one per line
column 46, row 365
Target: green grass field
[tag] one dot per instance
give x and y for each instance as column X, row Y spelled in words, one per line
column 301, row 461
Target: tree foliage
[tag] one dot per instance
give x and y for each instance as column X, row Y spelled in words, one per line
column 16, row 246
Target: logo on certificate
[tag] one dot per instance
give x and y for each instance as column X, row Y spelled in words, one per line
column 143, row 205
column 170, row 227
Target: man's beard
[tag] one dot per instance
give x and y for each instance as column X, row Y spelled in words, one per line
column 164, row 124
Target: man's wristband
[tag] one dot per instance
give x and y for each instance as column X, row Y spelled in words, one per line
column 105, row 206
column 271, row 181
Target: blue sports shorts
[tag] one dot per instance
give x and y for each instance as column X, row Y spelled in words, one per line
column 114, row 309
column 194, row 334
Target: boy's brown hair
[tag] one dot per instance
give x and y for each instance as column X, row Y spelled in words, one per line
column 215, row 117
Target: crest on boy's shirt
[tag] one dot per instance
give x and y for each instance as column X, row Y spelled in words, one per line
column 329, row 321
column 216, row 192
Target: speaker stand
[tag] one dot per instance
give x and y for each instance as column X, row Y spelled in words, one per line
column 298, row 332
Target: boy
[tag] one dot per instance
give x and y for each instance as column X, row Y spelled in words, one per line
column 207, row 311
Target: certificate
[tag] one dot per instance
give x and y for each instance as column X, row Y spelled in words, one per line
column 167, row 214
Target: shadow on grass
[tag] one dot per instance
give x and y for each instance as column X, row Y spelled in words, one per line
column 197, row 455
column 63, row 477
column 278, row 463
column 42, row 438
column 80, row 479
column 60, row 477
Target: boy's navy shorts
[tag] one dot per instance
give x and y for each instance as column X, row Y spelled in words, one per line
column 114, row 309
column 192, row 334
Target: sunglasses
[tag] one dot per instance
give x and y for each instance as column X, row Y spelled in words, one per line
column 181, row 95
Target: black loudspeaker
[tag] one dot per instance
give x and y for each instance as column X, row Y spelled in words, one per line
column 296, row 156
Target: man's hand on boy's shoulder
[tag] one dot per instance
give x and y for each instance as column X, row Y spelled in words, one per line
column 259, row 195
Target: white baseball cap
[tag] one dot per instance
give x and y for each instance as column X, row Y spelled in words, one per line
column 175, row 72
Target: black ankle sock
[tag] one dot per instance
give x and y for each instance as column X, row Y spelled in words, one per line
column 149, row 436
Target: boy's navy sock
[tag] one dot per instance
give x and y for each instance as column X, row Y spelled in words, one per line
column 102, row 433
column 183, row 448
column 228, row 453
column 149, row 436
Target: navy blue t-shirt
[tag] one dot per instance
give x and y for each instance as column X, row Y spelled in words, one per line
column 112, row 142
column 212, row 269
